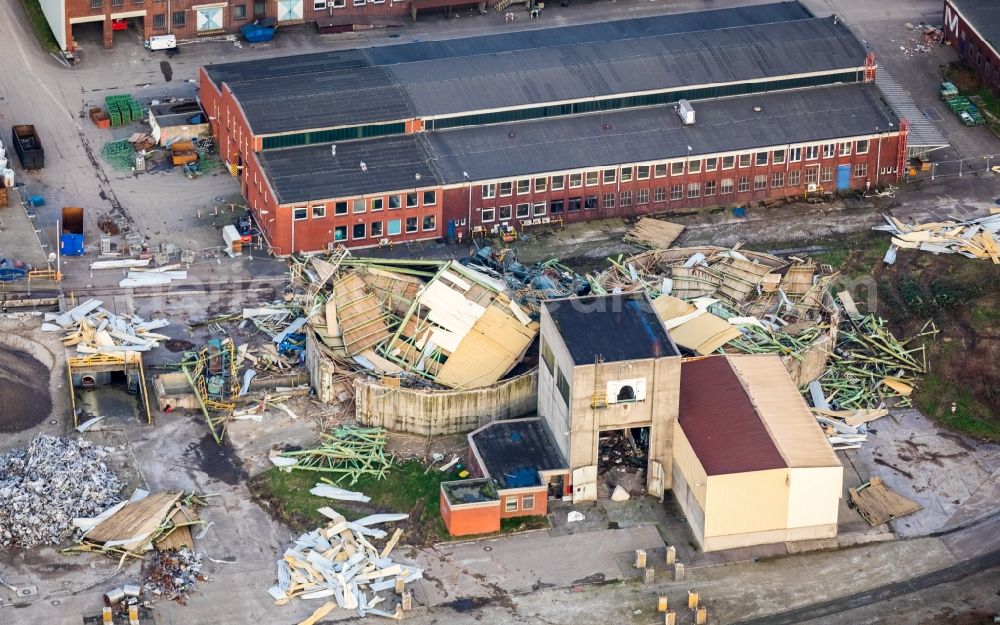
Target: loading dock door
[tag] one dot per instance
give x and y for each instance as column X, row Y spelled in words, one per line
column 843, row 177
column 585, row 484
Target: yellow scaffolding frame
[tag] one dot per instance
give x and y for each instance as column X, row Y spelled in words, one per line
column 123, row 359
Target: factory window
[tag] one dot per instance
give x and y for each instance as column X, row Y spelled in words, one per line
column 393, row 227
column 358, row 231
column 178, row 18
column 340, row 233
column 709, row 188
column 523, row 211
column 490, row 190
column 575, row 181
column 377, row 203
column 778, row 179
column 558, row 183
column 528, row 502
column 812, row 152
column 376, row 228
column 744, row 184
column 430, row 223
column 826, row 175
column 711, row 164
column 319, row 211
column 340, row 208
column 359, row 3
column 829, row 149
column 761, row 159
column 430, row 198
column 694, row 166
column 411, row 224
column 794, row 155
column 557, row 206
column 159, row 20
column 845, row 148
column 574, row 204
column 642, row 172
column 778, row 157
column 411, row 200
column 862, row 146
column 609, row 176
column 300, row 213
column 591, row 202
column 660, row 170
column 812, row 175
column 240, row 11
column 541, row 184
column 563, row 387
column 677, row 168
column 642, row 196
column 726, row 186
column 539, row 209
column 395, row 201
column 609, row 200
column 694, row 190
column 676, row 192
column 506, row 211
column 593, row 177
column 523, row 186
column 745, row 160
column 660, row 194
column 625, row 393
column 626, row 174
column 510, row 504
column 547, row 356
column 728, row 162
column 359, row 205
column 760, row 182
column 488, row 214
column 506, row 188
column 860, row 170
column 626, row 198
column 96, row 4
column 794, row 178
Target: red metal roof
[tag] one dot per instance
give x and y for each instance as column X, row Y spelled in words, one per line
column 720, row 421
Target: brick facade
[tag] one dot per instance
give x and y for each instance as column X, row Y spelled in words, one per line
column 971, row 46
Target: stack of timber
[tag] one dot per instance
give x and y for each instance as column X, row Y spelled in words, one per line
column 654, row 233
column 877, row 504
column 972, row 238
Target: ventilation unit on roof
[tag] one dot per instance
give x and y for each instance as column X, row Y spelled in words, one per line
column 686, row 111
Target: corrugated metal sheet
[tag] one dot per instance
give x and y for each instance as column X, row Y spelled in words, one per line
column 747, row 502
column 687, row 463
column 784, row 413
column 923, row 132
column 814, row 496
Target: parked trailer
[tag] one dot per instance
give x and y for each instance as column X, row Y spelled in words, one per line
column 71, row 237
column 28, row 146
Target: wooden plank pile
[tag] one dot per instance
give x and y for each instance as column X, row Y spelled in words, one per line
column 339, row 563
column 877, row 504
column 47, row 484
column 94, row 330
column 972, row 238
column 654, row 233
column 347, row 453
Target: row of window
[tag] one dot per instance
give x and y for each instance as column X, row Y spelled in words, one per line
column 548, row 358
column 361, row 205
column 742, row 184
column 541, row 184
column 320, row 5
column 393, row 227
column 527, row 503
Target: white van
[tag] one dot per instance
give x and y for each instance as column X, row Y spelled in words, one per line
column 162, row 42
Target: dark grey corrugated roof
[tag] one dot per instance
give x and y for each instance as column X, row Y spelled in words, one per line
column 984, row 15
column 655, row 133
column 522, row 68
column 313, row 173
column 561, row 143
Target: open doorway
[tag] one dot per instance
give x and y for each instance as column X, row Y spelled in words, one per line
column 622, row 458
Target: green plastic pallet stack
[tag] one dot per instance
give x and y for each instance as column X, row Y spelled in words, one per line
column 123, row 109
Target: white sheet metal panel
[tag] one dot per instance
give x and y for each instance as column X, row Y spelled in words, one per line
column 688, row 463
column 585, row 484
column 741, row 503
column 814, row 496
column 784, row 412
column 923, row 132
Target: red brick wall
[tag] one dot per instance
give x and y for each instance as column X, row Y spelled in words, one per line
column 457, row 199
column 470, row 520
column 971, row 47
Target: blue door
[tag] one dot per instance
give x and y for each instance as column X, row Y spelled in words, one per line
column 843, row 177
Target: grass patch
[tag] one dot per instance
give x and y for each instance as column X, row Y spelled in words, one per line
column 991, row 100
column 984, row 315
column 854, row 255
column 935, row 398
column 524, row 524
column 40, row 25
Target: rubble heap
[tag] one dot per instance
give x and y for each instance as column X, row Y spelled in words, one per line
column 48, row 483
column 174, row 574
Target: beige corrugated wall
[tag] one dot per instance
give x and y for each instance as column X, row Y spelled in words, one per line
column 741, row 503
column 814, row 496
column 687, row 462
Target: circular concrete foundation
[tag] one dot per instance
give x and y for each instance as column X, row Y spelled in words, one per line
column 25, row 399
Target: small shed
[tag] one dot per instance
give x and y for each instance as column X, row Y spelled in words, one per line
column 178, row 121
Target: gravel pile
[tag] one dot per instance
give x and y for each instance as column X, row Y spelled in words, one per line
column 44, row 486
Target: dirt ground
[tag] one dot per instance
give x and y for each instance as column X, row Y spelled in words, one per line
column 18, row 373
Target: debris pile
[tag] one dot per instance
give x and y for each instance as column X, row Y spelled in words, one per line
column 348, row 453
column 134, row 527
column 654, row 233
column 973, row 238
column 530, row 285
column 94, row 330
column 877, row 504
column 339, row 561
column 44, row 486
column 173, row 575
